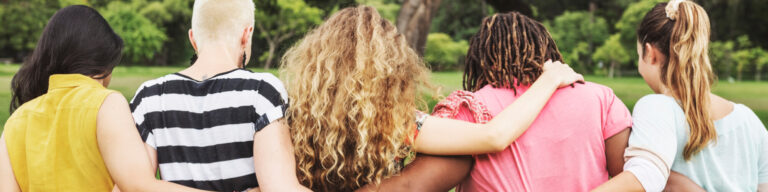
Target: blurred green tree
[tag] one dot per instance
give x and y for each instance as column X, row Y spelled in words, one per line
column 443, row 53
column 613, row 53
column 760, row 62
column 721, row 58
column 630, row 20
column 23, row 21
column 292, row 17
column 143, row 38
column 576, row 35
column 460, row 19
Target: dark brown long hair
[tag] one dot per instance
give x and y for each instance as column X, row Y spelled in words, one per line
column 509, row 49
column 681, row 33
column 76, row 39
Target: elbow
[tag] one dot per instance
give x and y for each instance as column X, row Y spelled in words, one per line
column 497, row 142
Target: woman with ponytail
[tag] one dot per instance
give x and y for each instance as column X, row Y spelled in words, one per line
column 67, row 131
column 684, row 131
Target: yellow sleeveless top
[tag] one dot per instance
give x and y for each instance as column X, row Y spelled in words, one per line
column 52, row 139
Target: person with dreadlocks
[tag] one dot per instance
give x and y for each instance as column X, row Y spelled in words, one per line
column 575, row 143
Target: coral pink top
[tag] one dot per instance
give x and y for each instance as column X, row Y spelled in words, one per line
column 563, row 150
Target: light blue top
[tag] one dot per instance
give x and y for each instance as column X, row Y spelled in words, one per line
column 736, row 161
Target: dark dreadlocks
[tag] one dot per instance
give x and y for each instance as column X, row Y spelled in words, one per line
column 509, row 49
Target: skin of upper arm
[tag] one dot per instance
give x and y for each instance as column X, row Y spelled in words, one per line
column 123, row 151
column 614, row 152
column 274, row 160
column 763, row 187
column 7, row 179
column 427, row 173
column 152, row 154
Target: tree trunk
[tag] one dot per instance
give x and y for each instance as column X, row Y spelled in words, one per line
column 758, row 74
column 738, row 75
column 611, row 69
column 272, row 48
column 414, row 20
column 590, row 40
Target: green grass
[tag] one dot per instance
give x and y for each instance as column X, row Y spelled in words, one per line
column 629, row 89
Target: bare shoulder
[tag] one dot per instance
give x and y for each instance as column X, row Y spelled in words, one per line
column 113, row 105
column 721, row 107
column 114, row 99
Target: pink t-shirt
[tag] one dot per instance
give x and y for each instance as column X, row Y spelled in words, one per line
column 563, row 150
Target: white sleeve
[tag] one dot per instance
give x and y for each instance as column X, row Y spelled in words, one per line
column 762, row 175
column 653, row 141
column 647, row 173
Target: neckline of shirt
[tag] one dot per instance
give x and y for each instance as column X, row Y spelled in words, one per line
column 214, row 76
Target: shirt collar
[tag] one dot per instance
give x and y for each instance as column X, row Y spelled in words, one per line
column 71, row 80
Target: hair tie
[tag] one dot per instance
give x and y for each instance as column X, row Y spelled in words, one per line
column 671, row 9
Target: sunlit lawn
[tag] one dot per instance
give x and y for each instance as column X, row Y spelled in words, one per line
column 629, row 89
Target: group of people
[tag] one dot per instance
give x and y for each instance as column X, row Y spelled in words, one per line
column 347, row 113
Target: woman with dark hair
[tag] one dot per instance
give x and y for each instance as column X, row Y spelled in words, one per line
column 67, row 131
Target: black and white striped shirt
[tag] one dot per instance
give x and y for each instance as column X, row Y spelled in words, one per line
column 203, row 130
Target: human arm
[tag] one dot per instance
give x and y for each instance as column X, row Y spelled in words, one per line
column 614, row 152
column 274, row 160
column 7, row 179
column 440, row 136
column 123, row 151
column 617, row 124
column 679, row 182
column 427, row 173
column 624, row 181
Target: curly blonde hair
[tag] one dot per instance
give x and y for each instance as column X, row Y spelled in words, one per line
column 353, row 85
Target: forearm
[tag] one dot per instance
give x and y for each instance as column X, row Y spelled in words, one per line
column 763, row 187
column 625, row 181
column 427, row 173
column 515, row 119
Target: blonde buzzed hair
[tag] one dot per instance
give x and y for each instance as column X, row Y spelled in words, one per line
column 221, row 20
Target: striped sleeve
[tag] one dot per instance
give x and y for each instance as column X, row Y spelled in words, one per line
column 272, row 90
column 138, row 116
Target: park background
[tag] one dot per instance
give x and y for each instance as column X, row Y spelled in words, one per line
column 596, row 37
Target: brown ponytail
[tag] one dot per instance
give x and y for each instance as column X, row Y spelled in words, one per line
column 682, row 34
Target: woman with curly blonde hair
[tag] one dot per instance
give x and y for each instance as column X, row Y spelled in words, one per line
column 354, row 87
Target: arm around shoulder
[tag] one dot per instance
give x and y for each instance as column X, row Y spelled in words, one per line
column 453, row 137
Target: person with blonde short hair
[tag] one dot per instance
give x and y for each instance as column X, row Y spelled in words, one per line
column 216, row 125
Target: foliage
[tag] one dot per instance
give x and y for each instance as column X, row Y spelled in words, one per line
column 612, row 52
column 23, row 22
column 143, row 38
column 289, row 18
column 444, row 53
column 630, row 20
column 460, row 19
column 721, row 57
column 574, row 32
